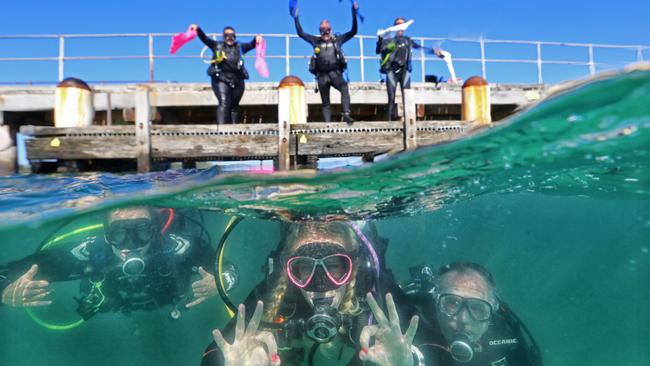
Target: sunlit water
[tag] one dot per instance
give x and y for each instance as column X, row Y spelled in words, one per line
column 556, row 203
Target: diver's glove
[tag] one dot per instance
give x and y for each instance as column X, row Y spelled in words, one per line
column 422, row 281
column 89, row 305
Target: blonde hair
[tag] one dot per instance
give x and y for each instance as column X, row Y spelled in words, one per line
column 301, row 234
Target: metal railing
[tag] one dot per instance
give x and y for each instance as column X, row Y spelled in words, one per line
column 420, row 56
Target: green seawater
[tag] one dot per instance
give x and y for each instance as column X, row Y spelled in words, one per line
column 555, row 203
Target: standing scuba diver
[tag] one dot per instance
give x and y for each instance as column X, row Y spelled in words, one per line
column 139, row 263
column 227, row 71
column 318, row 305
column 328, row 62
column 396, row 64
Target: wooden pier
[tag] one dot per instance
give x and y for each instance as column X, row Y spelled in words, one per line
column 186, row 143
column 139, row 134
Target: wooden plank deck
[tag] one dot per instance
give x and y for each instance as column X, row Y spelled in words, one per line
column 233, row 142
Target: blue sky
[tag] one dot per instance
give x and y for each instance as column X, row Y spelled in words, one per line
column 622, row 22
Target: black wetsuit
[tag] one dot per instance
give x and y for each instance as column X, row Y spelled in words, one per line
column 165, row 280
column 294, row 306
column 330, row 65
column 396, row 64
column 505, row 343
column 227, row 76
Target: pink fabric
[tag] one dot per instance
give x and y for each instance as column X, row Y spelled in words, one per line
column 181, row 39
column 260, row 61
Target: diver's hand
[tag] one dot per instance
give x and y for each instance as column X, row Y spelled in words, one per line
column 355, row 6
column 204, row 288
column 391, row 348
column 25, row 292
column 250, row 347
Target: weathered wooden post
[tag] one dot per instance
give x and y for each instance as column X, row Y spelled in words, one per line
column 143, row 129
column 410, row 118
column 292, row 109
column 73, row 105
column 476, row 101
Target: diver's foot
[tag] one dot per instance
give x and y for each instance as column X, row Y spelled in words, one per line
column 347, row 119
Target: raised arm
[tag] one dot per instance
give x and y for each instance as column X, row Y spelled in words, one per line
column 211, row 43
column 353, row 32
column 245, row 47
column 310, row 38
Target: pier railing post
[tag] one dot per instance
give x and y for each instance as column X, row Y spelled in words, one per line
column 592, row 64
column 362, row 66
column 143, row 129
column 151, row 58
column 61, row 58
column 540, row 79
column 410, row 117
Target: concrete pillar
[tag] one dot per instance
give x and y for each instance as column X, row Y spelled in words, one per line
column 292, row 105
column 73, row 104
column 292, row 109
column 476, row 101
column 7, row 152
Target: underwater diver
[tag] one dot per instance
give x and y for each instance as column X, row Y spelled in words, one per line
column 227, row 71
column 328, row 62
column 396, row 63
column 318, row 305
column 140, row 263
column 471, row 325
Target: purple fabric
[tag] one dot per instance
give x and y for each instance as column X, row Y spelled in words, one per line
column 180, row 39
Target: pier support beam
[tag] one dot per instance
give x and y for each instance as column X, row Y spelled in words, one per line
column 410, row 118
column 284, row 158
column 143, row 129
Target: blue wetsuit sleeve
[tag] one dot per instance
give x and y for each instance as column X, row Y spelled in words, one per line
column 353, row 32
column 311, row 39
column 211, row 43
